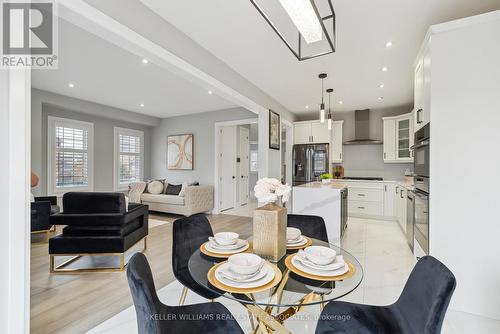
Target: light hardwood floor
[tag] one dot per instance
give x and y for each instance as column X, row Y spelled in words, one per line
column 75, row 303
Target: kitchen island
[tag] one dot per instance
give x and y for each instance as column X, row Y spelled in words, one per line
column 324, row 200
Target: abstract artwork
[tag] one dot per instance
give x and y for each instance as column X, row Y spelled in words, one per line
column 274, row 130
column 180, row 152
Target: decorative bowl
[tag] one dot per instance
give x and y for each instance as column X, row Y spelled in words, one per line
column 226, row 238
column 320, row 255
column 244, row 263
column 292, row 233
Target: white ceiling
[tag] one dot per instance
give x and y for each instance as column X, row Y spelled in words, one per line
column 236, row 33
column 104, row 73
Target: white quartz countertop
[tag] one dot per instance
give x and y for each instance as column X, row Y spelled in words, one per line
column 341, row 184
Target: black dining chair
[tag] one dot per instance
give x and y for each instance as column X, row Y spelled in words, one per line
column 189, row 233
column 154, row 317
column 310, row 226
column 420, row 308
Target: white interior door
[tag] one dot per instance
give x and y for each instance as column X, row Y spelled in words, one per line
column 244, row 164
column 227, row 177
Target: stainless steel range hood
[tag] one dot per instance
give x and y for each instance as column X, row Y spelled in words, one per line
column 362, row 129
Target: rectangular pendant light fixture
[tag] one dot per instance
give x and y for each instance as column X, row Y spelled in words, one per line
column 305, row 19
column 307, row 27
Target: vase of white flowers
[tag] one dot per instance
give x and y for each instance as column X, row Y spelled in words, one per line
column 270, row 220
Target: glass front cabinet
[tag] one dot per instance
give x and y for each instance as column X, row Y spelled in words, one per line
column 398, row 138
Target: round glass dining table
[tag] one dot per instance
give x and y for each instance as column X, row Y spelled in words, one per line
column 280, row 302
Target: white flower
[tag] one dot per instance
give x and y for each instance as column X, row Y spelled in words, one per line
column 269, row 190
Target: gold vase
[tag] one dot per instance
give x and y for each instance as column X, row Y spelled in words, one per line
column 269, row 231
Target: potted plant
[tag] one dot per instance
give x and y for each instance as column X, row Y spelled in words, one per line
column 326, row 178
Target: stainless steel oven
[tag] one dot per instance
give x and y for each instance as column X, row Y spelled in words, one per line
column 421, row 222
column 421, row 151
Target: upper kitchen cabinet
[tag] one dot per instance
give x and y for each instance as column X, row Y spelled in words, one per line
column 422, row 86
column 336, row 142
column 311, row 132
column 398, row 138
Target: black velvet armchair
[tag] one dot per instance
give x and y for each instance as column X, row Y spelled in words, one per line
column 41, row 210
column 97, row 224
column 154, row 317
column 420, row 308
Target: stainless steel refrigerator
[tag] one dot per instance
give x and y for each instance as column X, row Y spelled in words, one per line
column 309, row 162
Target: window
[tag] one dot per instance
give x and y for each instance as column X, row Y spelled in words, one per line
column 254, row 162
column 129, row 157
column 70, row 164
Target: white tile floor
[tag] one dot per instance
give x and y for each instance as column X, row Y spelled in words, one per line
column 244, row 210
column 387, row 261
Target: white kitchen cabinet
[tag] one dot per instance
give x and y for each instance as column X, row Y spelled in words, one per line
column 398, row 138
column 302, row 133
column 422, row 93
column 389, row 140
column 336, row 142
column 389, row 197
column 400, row 206
column 365, row 199
column 311, row 132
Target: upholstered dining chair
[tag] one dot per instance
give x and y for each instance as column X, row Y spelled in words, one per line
column 189, row 233
column 311, row 226
column 154, row 317
column 420, row 308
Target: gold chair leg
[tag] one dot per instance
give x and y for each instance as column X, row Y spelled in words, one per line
column 183, row 296
column 47, row 236
column 52, row 263
column 322, row 305
column 145, row 243
column 122, row 261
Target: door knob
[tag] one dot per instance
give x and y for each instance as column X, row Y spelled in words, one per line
column 234, row 177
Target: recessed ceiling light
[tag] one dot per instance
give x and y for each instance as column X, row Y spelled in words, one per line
column 70, row 85
column 381, row 85
column 341, row 102
column 141, row 105
column 145, row 61
column 210, row 92
column 384, row 69
column 307, row 107
column 380, row 98
column 388, row 44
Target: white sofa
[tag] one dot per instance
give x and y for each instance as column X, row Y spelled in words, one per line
column 196, row 199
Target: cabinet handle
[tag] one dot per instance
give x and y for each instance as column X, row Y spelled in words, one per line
column 361, row 207
column 418, row 116
column 340, row 155
column 401, row 194
column 361, row 194
column 385, row 187
column 397, row 188
column 385, row 155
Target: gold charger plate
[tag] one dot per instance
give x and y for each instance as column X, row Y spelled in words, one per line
column 215, row 282
column 292, row 268
column 224, row 256
column 307, row 244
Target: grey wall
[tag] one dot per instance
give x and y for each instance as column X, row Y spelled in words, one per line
column 202, row 126
column 367, row 160
column 103, row 135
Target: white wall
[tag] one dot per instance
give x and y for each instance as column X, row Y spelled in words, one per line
column 202, row 126
column 104, row 119
column 464, row 161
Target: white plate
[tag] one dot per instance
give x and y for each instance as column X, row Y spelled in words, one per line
column 317, row 272
column 300, row 242
column 209, row 248
column 239, row 244
column 269, row 276
column 326, row 267
column 225, row 269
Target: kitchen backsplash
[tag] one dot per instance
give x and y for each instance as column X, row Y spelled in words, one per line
column 366, row 160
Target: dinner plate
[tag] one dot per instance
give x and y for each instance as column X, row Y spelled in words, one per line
column 239, row 244
column 301, row 241
column 267, row 278
column 312, row 271
column 224, row 269
column 326, row 267
column 211, row 249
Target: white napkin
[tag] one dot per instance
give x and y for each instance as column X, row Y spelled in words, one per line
column 337, row 264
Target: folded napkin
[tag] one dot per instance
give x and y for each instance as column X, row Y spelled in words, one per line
column 231, row 275
column 336, row 264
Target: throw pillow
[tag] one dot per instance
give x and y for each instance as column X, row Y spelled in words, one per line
column 173, row 189
column 183, row 189
column 155, row 187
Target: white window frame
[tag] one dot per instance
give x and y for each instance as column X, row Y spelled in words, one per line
column 117, row 131
column 53, row 122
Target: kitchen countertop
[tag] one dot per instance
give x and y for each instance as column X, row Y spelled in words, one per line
column 341, row 184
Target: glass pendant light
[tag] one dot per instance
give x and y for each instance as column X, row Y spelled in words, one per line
column 329, row 116
column 322, row 76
